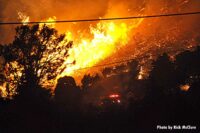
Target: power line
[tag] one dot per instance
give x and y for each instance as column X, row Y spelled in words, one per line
column 102, row 19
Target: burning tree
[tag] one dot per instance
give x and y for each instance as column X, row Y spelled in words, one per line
column 35, row 57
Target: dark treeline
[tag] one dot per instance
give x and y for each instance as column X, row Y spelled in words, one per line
column 170, row 95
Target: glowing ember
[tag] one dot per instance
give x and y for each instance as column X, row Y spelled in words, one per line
column 119, row 101
column 3, row 91
column 141, row 73
column 114, row 96
column 185, row 87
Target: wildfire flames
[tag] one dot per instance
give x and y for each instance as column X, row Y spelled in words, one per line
column 103, row 41
column 107, row 38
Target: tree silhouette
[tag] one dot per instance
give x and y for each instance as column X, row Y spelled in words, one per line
column 188, row 65
column 134, row 68
column 162, row 76
column 107, row 71
column 67, row 94
column 35, row 57
column 88, row 81
column 188, row 69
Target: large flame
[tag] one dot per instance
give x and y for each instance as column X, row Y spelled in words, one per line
column 102, row 40
column 25, row 19
column 107, row 38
